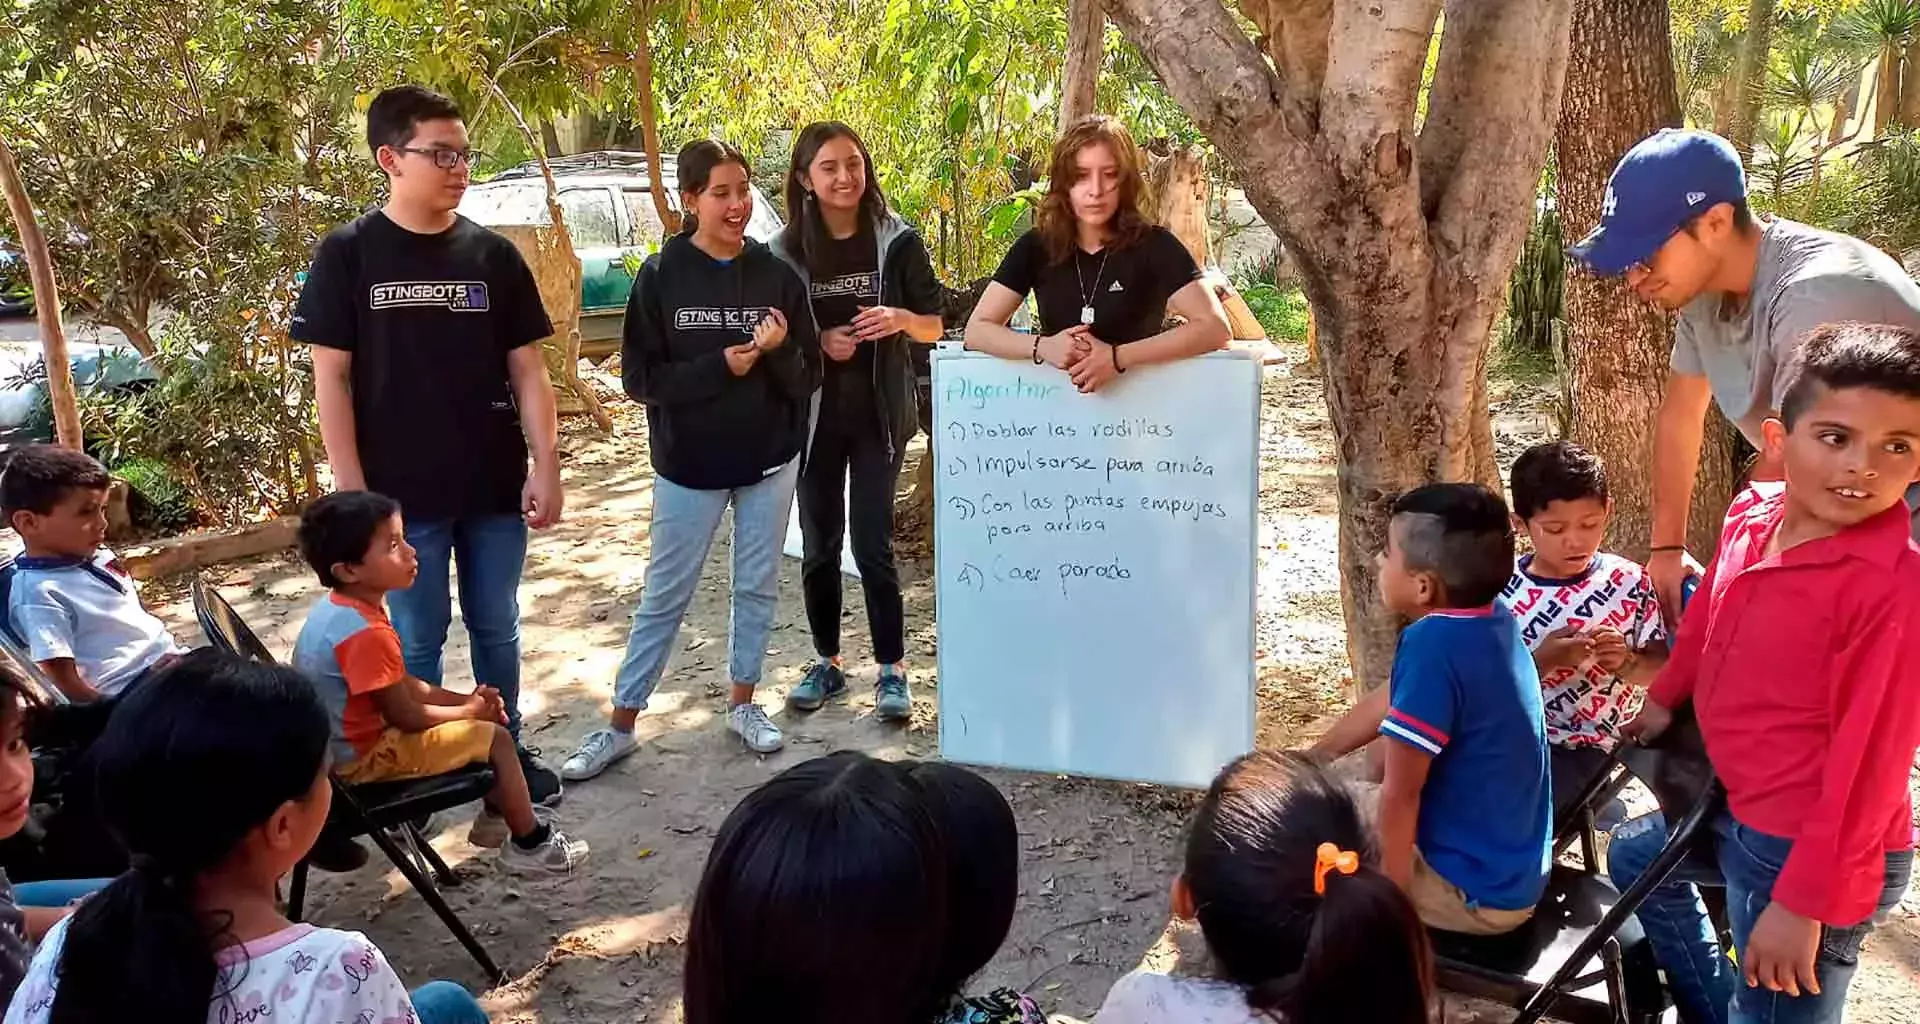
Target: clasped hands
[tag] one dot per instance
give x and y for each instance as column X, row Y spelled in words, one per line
column 1088, row 361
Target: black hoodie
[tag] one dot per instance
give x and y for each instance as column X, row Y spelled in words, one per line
column 711, row 430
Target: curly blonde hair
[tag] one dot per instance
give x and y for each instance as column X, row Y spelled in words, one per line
column 1054, row 219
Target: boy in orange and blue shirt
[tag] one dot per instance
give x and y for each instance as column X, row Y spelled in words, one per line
column 388, row 725
column 1797, row 656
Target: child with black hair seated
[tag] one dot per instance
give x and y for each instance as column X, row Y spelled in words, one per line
column 982, row 848
column 824, row 901
column 1464, row 808
column 213, row 774
column 387, row 724
column 1284, row 879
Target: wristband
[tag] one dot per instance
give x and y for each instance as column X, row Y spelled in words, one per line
column 1117, row 368
column 1037, row 361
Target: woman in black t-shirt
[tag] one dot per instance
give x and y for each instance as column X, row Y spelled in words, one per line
column 1102, row 275
column 874, row 295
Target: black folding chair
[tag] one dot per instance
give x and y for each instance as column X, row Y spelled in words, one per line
column 13, row 646
column 1583, row 936
column 378, row 810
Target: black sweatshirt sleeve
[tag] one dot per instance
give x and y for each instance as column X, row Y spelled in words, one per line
column 792, row 363
column 920, row 289
column 647, row 371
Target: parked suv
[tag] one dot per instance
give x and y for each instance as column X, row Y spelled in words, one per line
column 607, row 200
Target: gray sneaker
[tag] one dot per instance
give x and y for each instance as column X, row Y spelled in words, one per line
column 489, row 831
column 824, row 682
column 892, row 697
column 557, row 856
column 597, row 753
column 749, row 721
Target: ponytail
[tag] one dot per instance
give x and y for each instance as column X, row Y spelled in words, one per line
column 1366, row 959
column 192, row 761
column 136, row 950
column 1285, row 880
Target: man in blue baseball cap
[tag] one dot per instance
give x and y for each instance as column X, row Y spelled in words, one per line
column 1675, row 222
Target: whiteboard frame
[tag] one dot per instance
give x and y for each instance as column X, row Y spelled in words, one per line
column 948, row 353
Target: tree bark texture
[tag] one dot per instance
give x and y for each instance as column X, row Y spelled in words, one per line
column 649, row 121
column 1909, row 113
column 1404, row 242
column 1749, row 74
column 1178, row 182
column 1886, row 88
column 46, row 303
column 1620, row 89
column 1080, row 78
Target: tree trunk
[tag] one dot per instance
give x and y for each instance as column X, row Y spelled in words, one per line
column 1178, row 183
column 562, row 351
column 1843, row 112
column 1749, row 72
column 1909, row 113
column 1620, row 89
column 649, row 124
column 46, row 303
column 1886, row 89
column 550, row 139
column 1086, row 35
column 1404, row 244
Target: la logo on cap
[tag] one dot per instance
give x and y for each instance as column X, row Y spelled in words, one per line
column 1694, row 198
column 1607, row 205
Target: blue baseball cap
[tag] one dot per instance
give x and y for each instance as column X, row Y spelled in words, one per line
column 1666, row 180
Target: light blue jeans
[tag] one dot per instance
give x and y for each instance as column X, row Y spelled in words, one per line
column 1705, row 984
column 443, row 1002
column 489, row 553
column 684, row 524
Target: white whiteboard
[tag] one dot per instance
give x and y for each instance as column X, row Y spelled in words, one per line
column 1094, row 566
column 795, row 544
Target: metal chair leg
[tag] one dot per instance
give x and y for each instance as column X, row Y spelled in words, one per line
column 1679, row 844
column 1616, row 971
column 423, row 884
column 434, row 863
column 297, row 892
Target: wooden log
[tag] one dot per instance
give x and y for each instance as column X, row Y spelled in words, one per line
column 197, row 550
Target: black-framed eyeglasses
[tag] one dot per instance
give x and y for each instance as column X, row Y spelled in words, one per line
column 445, row 159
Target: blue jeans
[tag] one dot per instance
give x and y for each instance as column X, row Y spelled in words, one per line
column 489, row 553
column 52, row 894
column 684, row 523
column 443, row 1002
column 1705, row 984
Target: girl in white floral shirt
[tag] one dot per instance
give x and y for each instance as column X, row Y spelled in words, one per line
column 214, row 775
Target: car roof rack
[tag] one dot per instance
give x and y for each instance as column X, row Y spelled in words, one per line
column 597, row 160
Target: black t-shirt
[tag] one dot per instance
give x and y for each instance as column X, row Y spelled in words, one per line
column 1127, row 288
column 429, row 320
column 849, row 279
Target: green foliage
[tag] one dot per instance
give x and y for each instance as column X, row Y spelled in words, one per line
column 157, row 501
column 1536, row 305
column 1282, row 312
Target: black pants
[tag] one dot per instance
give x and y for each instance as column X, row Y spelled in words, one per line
column 840, row 447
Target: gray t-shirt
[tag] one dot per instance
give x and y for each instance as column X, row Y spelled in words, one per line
column 1806, row 277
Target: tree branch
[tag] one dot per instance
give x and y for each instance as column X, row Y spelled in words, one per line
column 1294, row 34
column 1221, row 79
column 1372, row 85
column 1486, row 46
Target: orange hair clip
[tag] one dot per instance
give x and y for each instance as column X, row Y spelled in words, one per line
column 1332, row 858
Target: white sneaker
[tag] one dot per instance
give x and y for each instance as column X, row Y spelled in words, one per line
column 489, row 831
column 597, row 753
column 557, row 856
column 750, row 722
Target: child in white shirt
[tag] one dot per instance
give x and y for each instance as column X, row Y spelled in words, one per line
column 70, row 603
column 214, row 775
column 1284, row 879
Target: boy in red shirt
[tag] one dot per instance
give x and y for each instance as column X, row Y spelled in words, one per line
column 1796, row 654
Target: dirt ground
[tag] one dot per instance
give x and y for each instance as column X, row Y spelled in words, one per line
column 1097, row 857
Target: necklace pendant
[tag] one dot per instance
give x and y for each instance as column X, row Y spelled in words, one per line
column 1086, row 315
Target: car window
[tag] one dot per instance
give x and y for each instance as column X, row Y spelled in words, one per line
column 505, row 204
column 765, row 222
column 647, row 229
column 589, row 213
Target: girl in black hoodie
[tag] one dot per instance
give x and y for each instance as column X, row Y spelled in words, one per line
column 720, row 347
column 874, row 296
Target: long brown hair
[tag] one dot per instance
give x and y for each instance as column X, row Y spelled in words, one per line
column 1054, row 220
